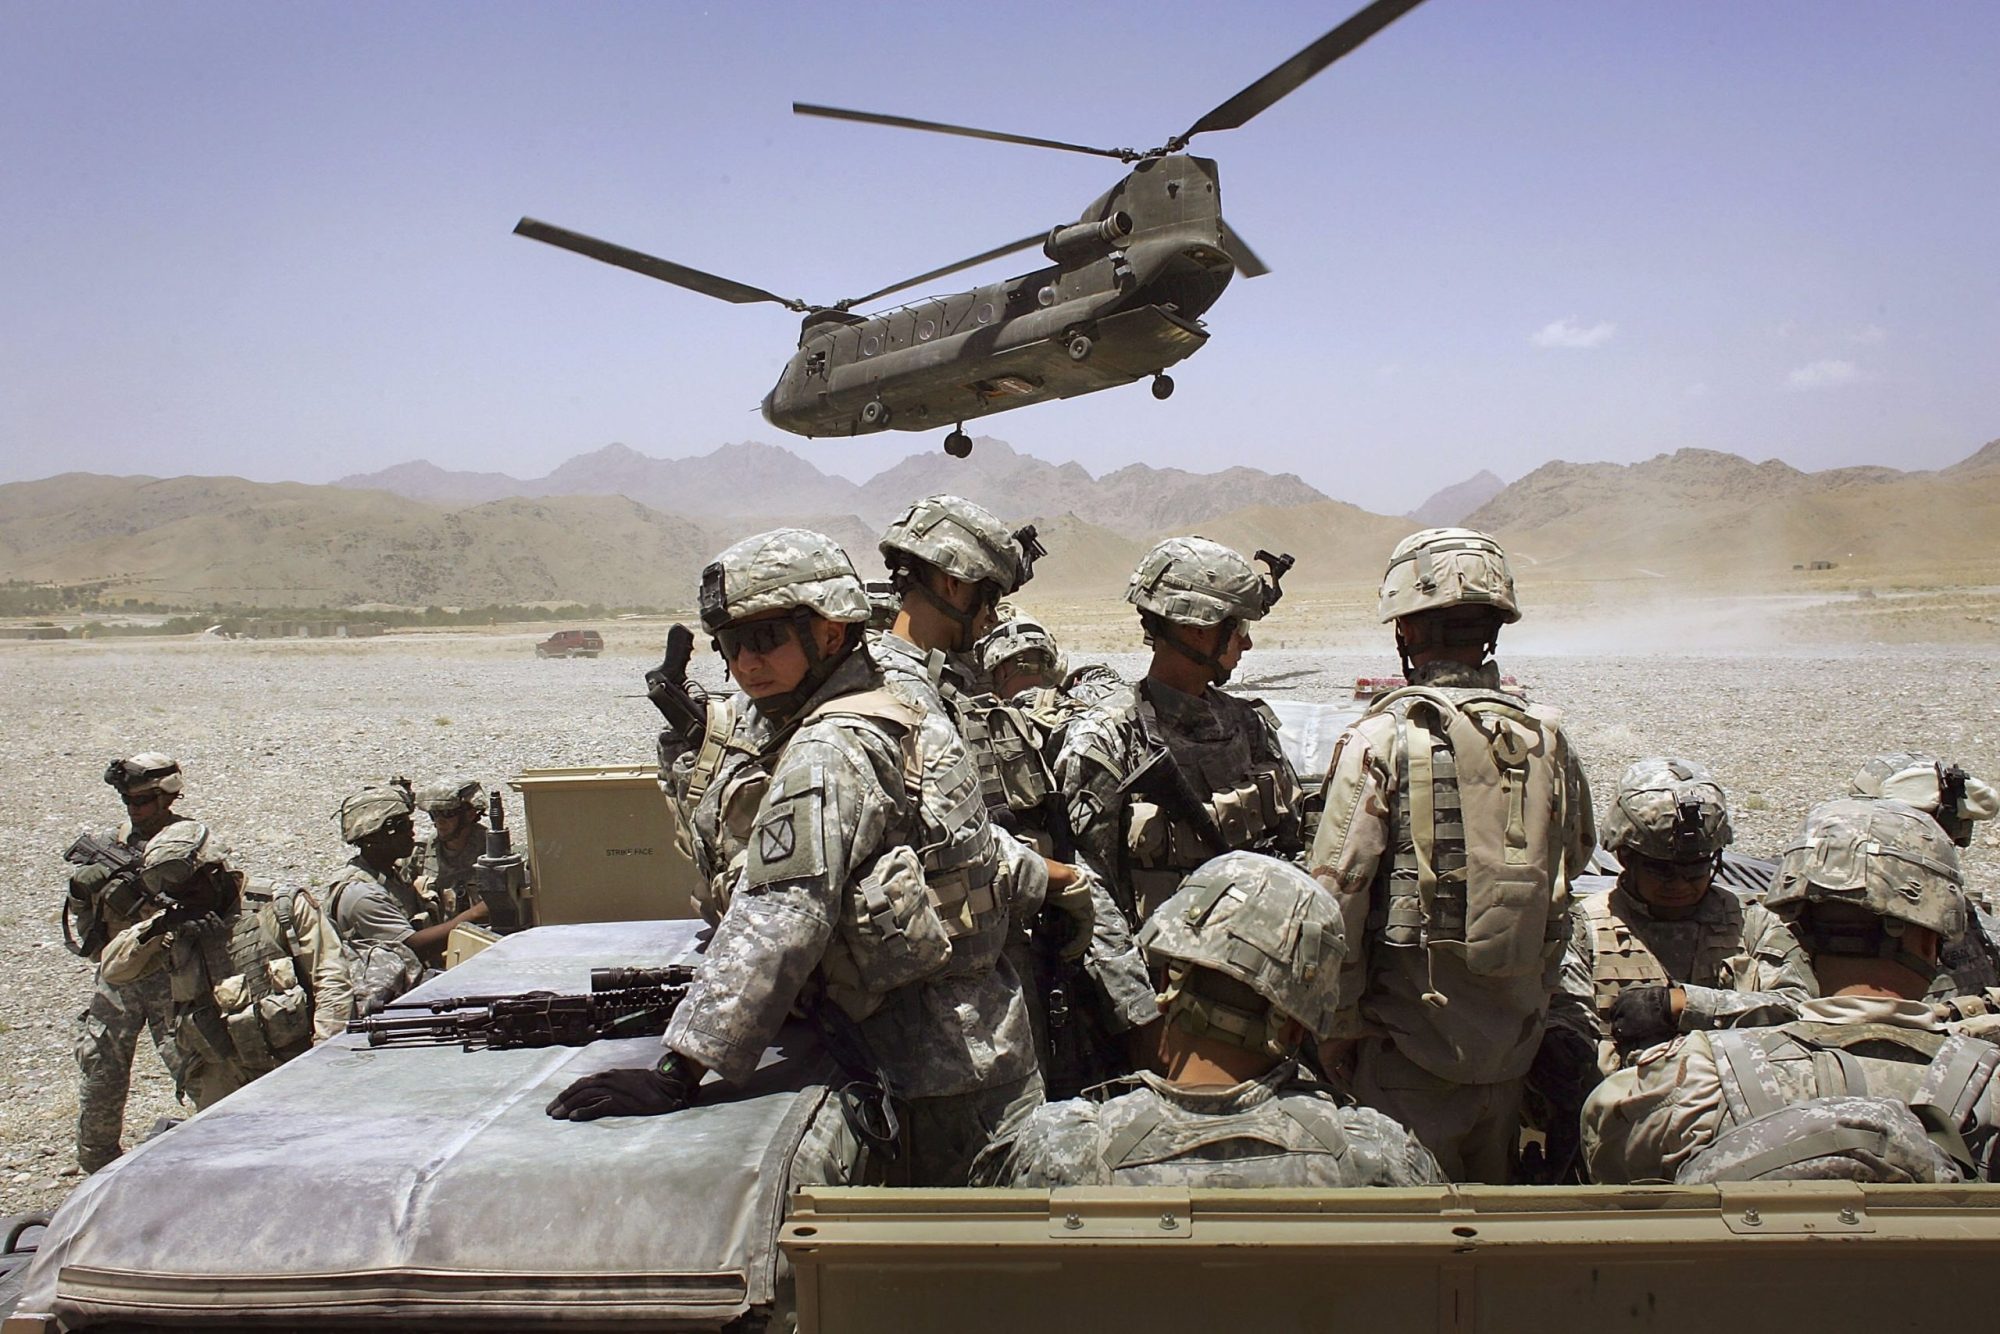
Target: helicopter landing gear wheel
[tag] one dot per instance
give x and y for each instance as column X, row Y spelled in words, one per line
column 958, row 444
column 875, row 413
column 1079, row 347
column 1163, row 386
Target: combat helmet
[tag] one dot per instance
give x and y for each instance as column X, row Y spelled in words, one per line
column 1015, row 637
column 1945, row 792
column 450, row 795
column 1448, row 567
column 1669, row 810
column 366, row 813
column 782, row 570
column 145, row 773
column 175, row 854
column 965, row 540
column 1882, row 856
column 1248, row 942
column 1193, row 581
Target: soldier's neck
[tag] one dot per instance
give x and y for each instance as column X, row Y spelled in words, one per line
column 1880, row 979
column 1190, row 1060
column 925, row 626
column 1177, row 671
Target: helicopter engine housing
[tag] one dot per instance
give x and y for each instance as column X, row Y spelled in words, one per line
column 1081, row 241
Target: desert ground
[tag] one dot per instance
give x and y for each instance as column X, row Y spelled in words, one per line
column 1783, row 695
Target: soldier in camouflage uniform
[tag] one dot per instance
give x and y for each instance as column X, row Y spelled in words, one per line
column 1956, row 800
column 1161, row 776
column 1868, row 1083
column 371, row 900
column 951, row 562
column 1028, row 670
column 1246, row 956
column 447, row 863
column 256, row 974
column 865, row 885
column 1456, row 814
column 1666, row 951
column 107, row 1032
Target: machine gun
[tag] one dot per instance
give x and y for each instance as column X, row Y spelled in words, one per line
column 1161, row 777
column 667, row 686
column 622, row 1003
column 88, row 938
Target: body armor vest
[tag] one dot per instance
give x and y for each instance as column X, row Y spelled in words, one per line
column 1156, row 1148
column 242, row 996
column 1252, row 804
column 1621, row 959
column 954, row 847
column 1478, row 832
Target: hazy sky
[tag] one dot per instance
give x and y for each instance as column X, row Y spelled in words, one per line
column 273, row 239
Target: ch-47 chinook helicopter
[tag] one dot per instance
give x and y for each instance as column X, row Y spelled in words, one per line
column 1121, row 298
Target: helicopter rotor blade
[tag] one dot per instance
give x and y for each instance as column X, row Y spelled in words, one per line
column 995, row 253
column 708, row 284
column 1246, row 259
column 939, row 127
column 1286, row 78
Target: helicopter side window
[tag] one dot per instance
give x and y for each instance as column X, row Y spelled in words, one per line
column 870, row 345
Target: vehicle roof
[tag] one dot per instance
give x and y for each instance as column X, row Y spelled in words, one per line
column 365, row 1186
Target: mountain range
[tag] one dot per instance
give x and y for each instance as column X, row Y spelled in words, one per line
column 419, row 535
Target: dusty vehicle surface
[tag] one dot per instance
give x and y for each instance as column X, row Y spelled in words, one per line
column 424, row 1187
column 571, row 644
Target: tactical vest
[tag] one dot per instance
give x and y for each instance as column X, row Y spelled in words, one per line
column 954, row 848
column 1479, row 830
column 1621, row 960
column 1162, row 845
column 1152, row 1149
column 1014, row 777
column 242, row 996
column 1943, row 1078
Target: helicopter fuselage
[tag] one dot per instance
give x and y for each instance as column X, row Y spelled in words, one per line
column 1122, row 299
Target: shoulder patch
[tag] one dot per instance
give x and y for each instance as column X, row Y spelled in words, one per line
column 787, row 840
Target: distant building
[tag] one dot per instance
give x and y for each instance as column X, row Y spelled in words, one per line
column 33, row 632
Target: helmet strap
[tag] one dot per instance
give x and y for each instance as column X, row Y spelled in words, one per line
column 1859, row 940
column 1159, row 630
column 914, row 576
column 782, row 708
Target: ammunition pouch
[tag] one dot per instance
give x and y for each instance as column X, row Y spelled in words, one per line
column 1161, row 849
column 890, row 936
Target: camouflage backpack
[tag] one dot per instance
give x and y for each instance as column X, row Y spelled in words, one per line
column 1846, row 1132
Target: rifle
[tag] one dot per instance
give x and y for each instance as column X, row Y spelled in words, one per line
column 123, row 864
column 1161, row 777
column 667, row 686
column 622, row 1003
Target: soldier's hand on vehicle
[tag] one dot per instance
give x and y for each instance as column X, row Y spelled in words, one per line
column 1069, row 893
column 652, row 1091
column 1646, row 1016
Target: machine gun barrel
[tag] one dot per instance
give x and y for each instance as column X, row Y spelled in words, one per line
column 601, row 980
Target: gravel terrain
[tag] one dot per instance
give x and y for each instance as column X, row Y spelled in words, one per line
column 272, row 734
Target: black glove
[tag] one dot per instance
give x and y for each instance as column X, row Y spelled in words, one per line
column 650, row 1092
column 1642, row 1017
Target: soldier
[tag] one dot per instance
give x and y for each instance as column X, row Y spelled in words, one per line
column 1246, row 956
column 951, row 561
column 101, row 905
column 1029, row 671
column 447, row 863
column 1665, row 951
column 1868, row 1082
column 1956, row 800
column 864, row 884
column 1455, row 816
column 371, row 901
column 1162, row 776
column 256, row 973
